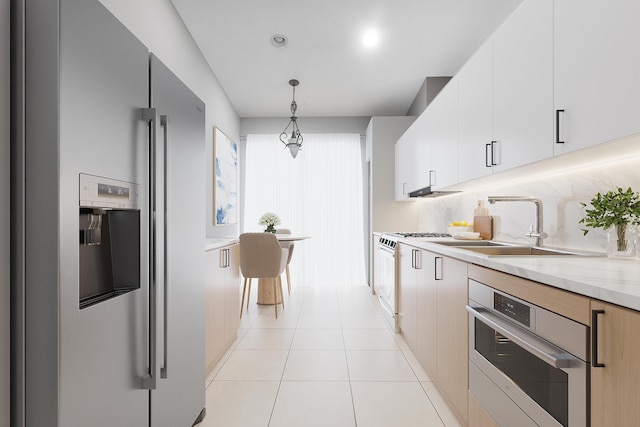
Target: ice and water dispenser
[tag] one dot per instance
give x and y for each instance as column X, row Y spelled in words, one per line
column 109, row 238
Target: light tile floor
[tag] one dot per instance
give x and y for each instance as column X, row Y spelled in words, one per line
column 328, row 360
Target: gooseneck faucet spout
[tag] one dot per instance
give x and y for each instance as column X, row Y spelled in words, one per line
column 536, row 228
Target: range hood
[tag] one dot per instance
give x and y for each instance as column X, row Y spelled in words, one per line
column 428, row 192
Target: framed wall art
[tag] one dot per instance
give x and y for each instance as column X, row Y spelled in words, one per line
column 225, row 188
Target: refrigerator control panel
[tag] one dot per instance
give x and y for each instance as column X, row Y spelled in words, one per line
column 101, row 192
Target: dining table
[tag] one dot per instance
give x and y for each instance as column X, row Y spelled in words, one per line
column 265, row 285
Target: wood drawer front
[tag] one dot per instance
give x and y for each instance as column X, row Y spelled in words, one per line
column 565, row 303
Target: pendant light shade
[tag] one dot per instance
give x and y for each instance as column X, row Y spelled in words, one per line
column 293, row 143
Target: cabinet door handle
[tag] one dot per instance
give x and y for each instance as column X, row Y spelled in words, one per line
column 437, row 270
column 432, row 177
column 418, row 260
column 558, row 126
column 404, row 191
column 594, row 339
column 490, row 154
column 494, row 155
column 487, row 149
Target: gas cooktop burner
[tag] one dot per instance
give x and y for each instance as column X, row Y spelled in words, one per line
column 419, row 234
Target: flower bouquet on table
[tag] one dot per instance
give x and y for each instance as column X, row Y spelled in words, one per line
column 270, row 220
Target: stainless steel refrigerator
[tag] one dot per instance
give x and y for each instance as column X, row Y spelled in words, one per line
column 108, row 227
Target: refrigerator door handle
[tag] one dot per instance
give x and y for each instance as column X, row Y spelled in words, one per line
column 149, row 381
column 164, row 123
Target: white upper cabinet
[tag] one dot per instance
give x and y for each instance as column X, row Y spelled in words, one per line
column 596, row 71
column 475, row 115
column 426, row 155
column 403, row 168
column 442, row 134
column 506, row 96
column 523, row 86
column 556, row 70
column 412, row 159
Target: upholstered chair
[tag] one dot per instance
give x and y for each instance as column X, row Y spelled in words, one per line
column 262, row 257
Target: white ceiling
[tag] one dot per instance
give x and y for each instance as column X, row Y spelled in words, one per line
column 338, row 75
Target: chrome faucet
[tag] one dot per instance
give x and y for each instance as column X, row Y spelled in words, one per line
column 536, row 229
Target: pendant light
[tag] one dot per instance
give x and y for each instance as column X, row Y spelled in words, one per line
column 293, row 142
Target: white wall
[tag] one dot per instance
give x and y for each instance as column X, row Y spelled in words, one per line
column 4, row 213
column 157, row 24
column 561, row 183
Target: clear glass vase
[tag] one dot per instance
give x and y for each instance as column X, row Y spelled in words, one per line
column 621, row 242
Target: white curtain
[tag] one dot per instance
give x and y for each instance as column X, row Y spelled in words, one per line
column 318, row 194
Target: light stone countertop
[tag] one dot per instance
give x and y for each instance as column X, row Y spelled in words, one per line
column 211, row 244
column 612, row 280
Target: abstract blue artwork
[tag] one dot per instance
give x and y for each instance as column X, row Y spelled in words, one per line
column 226, row 178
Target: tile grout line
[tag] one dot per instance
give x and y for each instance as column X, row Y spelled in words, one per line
column 346, row 358
column 275, row 400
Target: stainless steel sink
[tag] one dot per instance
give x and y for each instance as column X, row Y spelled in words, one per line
column 473, row 243
column 490, row 248
column 518, row 251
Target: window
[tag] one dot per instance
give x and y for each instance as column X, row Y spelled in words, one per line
column 318, row 194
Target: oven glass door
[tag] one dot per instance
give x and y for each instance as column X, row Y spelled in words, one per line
column 545, row 384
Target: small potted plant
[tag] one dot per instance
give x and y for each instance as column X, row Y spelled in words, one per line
column 615, row 211
column 270, row 220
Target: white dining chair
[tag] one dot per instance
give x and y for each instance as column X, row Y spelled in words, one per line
column 262, row 257
column 289, row 246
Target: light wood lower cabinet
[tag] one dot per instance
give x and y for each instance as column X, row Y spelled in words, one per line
column 615, row 387
column 478, row 416
column 427, row 316
column 433, row 320
column 222, row 301
column 452, row 344
column 407, row 278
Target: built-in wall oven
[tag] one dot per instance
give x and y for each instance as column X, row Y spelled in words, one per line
column 527, row 365
column 385, row 277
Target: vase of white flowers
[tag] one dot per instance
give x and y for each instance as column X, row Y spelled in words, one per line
column 270, row 220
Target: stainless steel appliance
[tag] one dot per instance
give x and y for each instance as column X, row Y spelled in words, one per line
column 527, row 365
column 385, row 285
column 108, row 216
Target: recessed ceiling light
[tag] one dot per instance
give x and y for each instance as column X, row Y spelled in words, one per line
column 278, row 40
column 370, row 38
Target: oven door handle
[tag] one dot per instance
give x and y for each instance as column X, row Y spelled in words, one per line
column 549, row 353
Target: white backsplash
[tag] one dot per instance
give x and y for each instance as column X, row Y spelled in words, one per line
column 561, row 193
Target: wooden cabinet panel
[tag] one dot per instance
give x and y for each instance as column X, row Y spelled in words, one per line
column 427, row 315
column 407, row 293
column 568, row 304
column 232, row 290
column 453, row 335
column 434, row 322
column 223, row 301
column 215, row 308
column 615, row 390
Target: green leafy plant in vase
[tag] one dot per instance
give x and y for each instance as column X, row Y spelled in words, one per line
column 615, row 211
column 270, row 220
